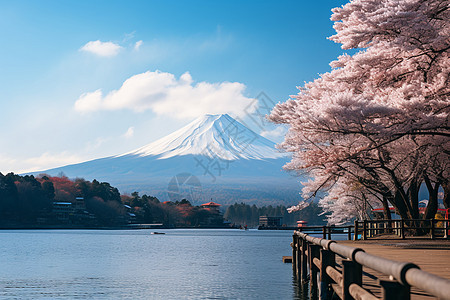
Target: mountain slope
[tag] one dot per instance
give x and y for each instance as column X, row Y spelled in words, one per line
column 213, row 136
column 231, row 162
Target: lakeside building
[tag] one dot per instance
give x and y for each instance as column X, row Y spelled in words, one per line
column 131, row 217
column 266, row 221
column 72, row 213
column 62, row 211
column 215, row 218
column 79, row 203
column 211, row 206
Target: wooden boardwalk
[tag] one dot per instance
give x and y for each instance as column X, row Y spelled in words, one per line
column 432, row 256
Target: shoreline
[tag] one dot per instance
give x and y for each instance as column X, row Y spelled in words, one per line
column 129, row 227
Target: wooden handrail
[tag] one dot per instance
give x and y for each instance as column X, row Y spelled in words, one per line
column 370, row 228
column 358, row 292
column 349, row 282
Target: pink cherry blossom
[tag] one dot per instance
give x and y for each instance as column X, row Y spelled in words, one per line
column 376, row 126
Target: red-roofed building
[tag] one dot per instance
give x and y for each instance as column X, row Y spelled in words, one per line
column 211, row 206
column 215, row 217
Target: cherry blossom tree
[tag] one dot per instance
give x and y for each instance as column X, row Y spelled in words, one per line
column 380, row 117
column 348, row 200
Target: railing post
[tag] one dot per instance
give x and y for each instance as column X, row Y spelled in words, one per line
column 402, row 229
column 324, row 232
column 329, row 232
column 446, row 229
column 355, row 234
column 364, row 233
column 351, row 273
column 327, row 258
column 392, row 290
column 299, row 259
column 304, row 260
column 294, row 253
column 313, row 252
column 395, row 227
column 432, row 229
column 349, row 232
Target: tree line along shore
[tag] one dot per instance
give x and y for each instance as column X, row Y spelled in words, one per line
column 59, row 202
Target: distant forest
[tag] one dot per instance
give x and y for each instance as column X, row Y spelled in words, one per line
column 29, row 200
column 148, row 209
column 244, row 214
column 59, row 201
column 46, row 201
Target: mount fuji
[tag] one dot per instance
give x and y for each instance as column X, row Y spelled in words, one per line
column 213, row 157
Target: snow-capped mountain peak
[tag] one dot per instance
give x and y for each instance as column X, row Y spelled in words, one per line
column 218, row 136
column 232, row 162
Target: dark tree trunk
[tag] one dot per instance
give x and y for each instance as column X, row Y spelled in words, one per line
column 446, row 200
column 432, row 206
column 399, row 205
column 387, row 214
column 413, row 193
column 386, row 210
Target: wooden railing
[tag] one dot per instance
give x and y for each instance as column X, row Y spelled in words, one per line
column 314, row 259
column 328, row 231
column 432, row 228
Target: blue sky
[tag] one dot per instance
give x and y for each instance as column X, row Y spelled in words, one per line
column 87, row 79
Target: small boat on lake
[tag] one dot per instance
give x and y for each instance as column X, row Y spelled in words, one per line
column 155, row 232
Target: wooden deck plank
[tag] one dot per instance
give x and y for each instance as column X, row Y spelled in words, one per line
column 430, row 256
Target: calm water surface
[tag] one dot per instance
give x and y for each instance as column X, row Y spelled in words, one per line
column 133, row 264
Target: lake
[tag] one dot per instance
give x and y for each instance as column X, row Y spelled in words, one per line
column 134, row 264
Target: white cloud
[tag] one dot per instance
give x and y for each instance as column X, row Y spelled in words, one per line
column 45, row 161
column 166, row 95
column 129, row 133
column 275, row 134
column 99, row 48
column 138, row 45
column 89, row 101
column 8, row 164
